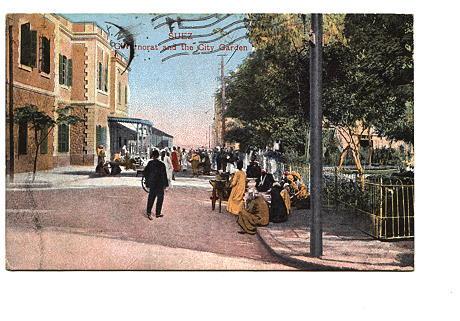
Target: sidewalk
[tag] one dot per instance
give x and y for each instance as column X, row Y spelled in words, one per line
column 344, row 247
column 54, row 177
column 85, row 177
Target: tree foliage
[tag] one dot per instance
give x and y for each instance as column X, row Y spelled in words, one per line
column 367, row 79
column 42, row 124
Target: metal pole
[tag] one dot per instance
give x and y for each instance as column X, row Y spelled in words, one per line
column 316, row 116
column 137, row 139
column 10, row 105
column 222, row 107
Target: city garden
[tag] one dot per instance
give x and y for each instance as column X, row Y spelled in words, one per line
column 368, row 108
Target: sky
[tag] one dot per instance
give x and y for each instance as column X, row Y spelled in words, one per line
column 176, row 94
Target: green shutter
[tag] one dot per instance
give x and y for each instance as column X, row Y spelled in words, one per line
column 40, row 53
column 106, row 79
column 101, row 135
column 99, row 77
column 98, row 135
column 69, row 72
column 64, row 70
column 104, row 136
column 46, row 55
column 63, row 138
column 61, row 72
column 33, row 49
column 25, row 39
column 67, row 138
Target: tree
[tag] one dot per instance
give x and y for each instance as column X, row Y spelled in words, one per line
column 369, row 81
column 42, row 124
column 269, row 93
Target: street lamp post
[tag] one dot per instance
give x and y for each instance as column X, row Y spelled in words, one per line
column 316, row 116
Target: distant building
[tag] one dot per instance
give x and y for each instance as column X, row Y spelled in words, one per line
column 161, row 139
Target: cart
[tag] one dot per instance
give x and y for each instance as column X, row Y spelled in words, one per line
column 220, row 191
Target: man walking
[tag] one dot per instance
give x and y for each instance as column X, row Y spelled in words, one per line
column 157, row 180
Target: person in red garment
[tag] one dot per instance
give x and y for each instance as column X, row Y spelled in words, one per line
column 175, row 160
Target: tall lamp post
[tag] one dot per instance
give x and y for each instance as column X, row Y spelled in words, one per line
column 316, row 116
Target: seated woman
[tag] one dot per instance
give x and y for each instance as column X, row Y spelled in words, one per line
column 257, row 214
column 278, row 211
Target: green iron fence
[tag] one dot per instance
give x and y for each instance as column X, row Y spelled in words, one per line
column 381, row 205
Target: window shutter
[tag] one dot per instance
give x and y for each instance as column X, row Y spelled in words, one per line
column 126, row 95
column 99, row 77
column 98, row 135
column 63, row 138
column 60, row 138
column 67, row 138
column 40, row 53
column 25, row 41
column 69, row 72
column 45, row 55
column 61, row 71
column 33, row 48
column 64, row 70
column 106, row 79
column 104, row 135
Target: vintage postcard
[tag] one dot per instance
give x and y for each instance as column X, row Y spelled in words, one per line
column 209, row 141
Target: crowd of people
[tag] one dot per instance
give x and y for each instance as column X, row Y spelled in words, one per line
column 256, row 196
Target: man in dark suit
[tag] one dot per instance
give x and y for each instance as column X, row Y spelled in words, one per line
column 264, row 182
column 157, row 180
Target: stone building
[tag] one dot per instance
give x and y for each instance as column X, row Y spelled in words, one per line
column 58, row 63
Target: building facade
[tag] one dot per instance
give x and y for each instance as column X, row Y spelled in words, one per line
column 160, row 139
column 58, row 63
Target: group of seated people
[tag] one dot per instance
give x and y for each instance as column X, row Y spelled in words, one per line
column 258, row 212
column 104, row 167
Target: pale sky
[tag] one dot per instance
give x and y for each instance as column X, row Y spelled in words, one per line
column 176, row 94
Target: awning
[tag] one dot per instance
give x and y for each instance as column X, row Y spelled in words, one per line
column 130, row 121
